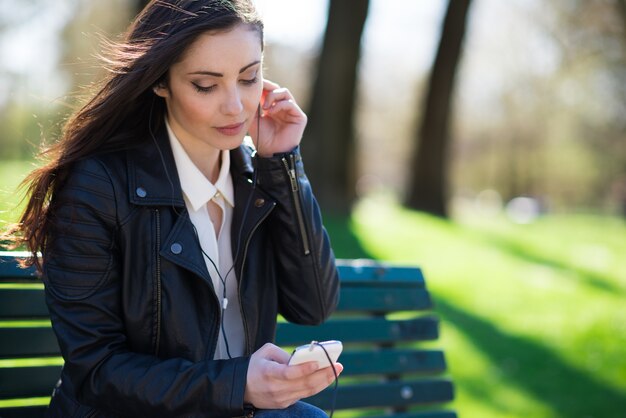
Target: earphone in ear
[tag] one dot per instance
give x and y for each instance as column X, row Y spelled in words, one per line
column 159, row 85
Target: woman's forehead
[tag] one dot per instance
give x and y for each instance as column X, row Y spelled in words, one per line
column 223, row 51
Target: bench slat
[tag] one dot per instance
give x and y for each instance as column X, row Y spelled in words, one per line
column 27, row 342
column 391, row 361
column 9, row 268
column 368, row 270
column 24, row 412
column 22, row 303
column 39, row 380
column 373, row 330
column 375, row 299
column 30, row 302
column 349, row 270
column 38, row 341
column 28, row 382
column 386, row 394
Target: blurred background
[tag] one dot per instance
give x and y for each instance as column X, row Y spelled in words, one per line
column 482, row 140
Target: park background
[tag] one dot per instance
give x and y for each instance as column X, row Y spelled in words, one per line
column 484, row 141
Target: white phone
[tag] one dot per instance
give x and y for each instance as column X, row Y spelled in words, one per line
column 315, row 352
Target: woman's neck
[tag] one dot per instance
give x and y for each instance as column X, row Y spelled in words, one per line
column 205, row 157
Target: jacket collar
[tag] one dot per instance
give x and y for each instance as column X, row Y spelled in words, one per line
column 153, row 179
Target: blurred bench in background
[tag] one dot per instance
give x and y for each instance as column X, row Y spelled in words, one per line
column 382, row 318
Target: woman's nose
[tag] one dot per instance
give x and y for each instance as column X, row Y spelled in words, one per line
column 232, row 104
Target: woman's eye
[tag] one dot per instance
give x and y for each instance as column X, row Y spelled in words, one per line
column 250, row 80
column 202, row 89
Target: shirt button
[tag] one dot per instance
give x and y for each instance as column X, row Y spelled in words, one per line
column 141, row 192
column 176, row 248
column 259, row 202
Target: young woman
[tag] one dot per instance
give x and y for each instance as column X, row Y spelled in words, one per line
column 169, row 247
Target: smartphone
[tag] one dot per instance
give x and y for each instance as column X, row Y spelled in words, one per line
column 315, row 352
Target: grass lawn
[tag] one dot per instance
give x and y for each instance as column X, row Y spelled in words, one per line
column 534, row 323
column 11, row 174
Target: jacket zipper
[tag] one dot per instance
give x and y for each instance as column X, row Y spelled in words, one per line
column 243, row 264
column 291, row 173
column 158, row 281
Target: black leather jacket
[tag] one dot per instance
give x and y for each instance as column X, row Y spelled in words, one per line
column 131, row 300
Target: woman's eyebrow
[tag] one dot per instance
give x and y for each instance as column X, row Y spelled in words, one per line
column 214, row 74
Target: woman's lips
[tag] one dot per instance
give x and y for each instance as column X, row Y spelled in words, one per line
column 230, row 130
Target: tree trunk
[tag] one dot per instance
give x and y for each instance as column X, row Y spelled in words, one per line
column 427, row 185
column 328, row 146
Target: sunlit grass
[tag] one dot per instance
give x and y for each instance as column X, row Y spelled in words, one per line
column 31, row 362
column 11, row 403
column 534, row 318
column 11, row 174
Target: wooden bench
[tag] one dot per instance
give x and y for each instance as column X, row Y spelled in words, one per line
column 382, row 319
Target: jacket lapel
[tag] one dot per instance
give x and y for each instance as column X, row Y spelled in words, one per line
column 153, row 181
column 181, row 247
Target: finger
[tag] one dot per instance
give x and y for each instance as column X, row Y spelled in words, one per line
column 287, row 108
column 338, row 369
column 276, row 96
column 269, row 85
column 299, row 371
column 316, row 382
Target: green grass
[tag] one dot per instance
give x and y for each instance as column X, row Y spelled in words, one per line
column 534, row 323
column 11, row 174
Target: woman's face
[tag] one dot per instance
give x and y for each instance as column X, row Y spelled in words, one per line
column 213, row 93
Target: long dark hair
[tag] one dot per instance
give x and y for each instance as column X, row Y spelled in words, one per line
column 121, row 111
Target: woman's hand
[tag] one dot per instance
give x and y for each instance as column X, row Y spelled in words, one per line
column 282, row 121
column 272, row 384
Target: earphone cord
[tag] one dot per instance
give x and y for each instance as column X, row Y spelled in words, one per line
column 240, row 233
column 332, row 405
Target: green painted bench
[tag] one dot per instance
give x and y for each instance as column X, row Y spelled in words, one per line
column 382, row 321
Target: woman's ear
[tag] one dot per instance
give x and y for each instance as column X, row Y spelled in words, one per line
column 161, row 90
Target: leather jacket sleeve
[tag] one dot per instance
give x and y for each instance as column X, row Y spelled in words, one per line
column 82, row 275
column 308, row 282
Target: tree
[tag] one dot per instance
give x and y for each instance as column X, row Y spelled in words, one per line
column 329, row 145
column 427, row 185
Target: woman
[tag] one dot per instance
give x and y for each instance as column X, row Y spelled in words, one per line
column 168, row 246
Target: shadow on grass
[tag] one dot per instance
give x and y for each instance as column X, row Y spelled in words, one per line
column 593, row 279
column 345, row 243
column 537, row 370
